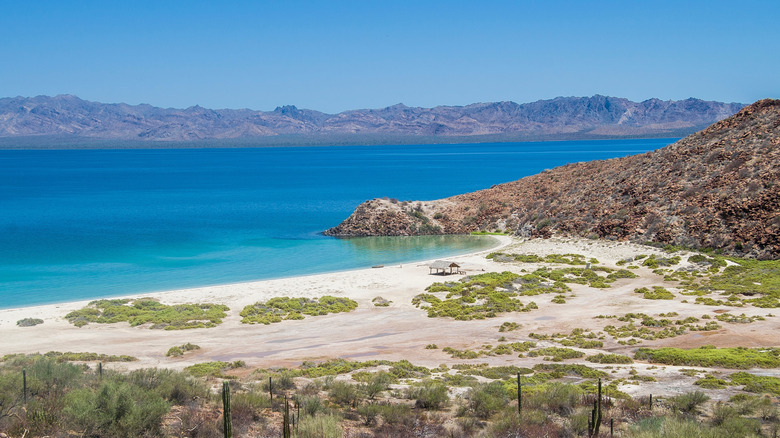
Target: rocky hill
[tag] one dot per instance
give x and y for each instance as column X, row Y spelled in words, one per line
column 67, row 116
column 718, row 188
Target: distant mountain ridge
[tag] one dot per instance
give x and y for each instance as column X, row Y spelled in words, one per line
column 717, row 188
column 66, row 116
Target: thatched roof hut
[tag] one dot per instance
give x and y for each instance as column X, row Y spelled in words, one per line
column 442, row 266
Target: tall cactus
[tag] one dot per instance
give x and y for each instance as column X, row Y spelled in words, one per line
column 228, row 424
column 594, row 423
column 519, row 396
column 24, row 385
column 286, row 429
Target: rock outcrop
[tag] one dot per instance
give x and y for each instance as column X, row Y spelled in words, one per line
column 717, row 188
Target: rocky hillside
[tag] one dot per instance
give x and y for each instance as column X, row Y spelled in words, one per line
column 564, row 117
column 718, row 188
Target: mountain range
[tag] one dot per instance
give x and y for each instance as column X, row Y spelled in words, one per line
column 718, row 188
column 69, row 120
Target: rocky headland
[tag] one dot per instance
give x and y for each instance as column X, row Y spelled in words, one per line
column 718, row 188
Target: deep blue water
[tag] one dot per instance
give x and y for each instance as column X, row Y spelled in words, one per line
column 90, row 223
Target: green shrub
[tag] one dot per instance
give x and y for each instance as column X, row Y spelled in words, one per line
column 710, row 382
column 282, row 308
column 181, row 349
column 29, row 322
column 556, row 354
column 213, row 369
column 758, row 384
column 148, row 310
column 658, row 293
column 429, row 394
column 609, row 358
column 115, row 409
column 708, row 356
column 487, row 399
column 319, row 426
column 343, row 393
column 689, row 402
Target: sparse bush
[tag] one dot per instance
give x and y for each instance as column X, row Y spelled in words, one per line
column 429, row 394
column 29, row 322
column 689, row 402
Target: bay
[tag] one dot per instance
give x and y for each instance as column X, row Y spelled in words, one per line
column 81, row 224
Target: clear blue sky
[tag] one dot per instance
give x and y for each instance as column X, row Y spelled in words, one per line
column 338, row 55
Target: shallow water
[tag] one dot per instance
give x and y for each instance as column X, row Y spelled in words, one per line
column 92, row 223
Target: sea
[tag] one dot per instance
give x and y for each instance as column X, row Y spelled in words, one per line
column 85, row 224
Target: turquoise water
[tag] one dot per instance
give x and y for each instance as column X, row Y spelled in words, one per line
column 92, row 223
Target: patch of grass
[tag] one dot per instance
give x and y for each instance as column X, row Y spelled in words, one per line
column 181, row 349
column 609, row 358
column 283, row 308
column 486, row 233
column 29, row 322
column 709, row 356
column 148, row 310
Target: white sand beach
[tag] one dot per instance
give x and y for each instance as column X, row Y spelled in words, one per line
column 399, row 331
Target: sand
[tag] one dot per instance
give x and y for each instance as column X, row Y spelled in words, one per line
column 400, row 331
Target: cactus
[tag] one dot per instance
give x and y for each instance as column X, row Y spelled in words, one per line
column 100, row 369
column 286, row 430
column 270, row 389
column 228, row 424
column 24, row 385
column 519, row 396
column 594, row 422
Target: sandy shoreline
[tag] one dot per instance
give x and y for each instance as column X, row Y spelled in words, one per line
column 400, row 331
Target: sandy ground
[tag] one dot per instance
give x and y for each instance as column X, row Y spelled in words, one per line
column 400, row 331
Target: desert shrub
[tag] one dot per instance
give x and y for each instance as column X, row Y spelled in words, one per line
column 213, row 369
column 173, row 386
column 379, row 382
column 573, row 369
column 508, row 326
column 281, row 308
column 658, row 293
column 710, row 382
column 181, row 349
column 708, row 356
column 556, row 354
column 609, row 358
column 429, row 394
column 689, row 402
column 148, row 310
column 343, row 393
column 487, row 399
column 557, row 397
column 319, row 426
column 758, row 384
column 29, row 322
column 115, row 409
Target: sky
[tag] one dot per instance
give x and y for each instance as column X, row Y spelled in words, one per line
column 334, row 55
